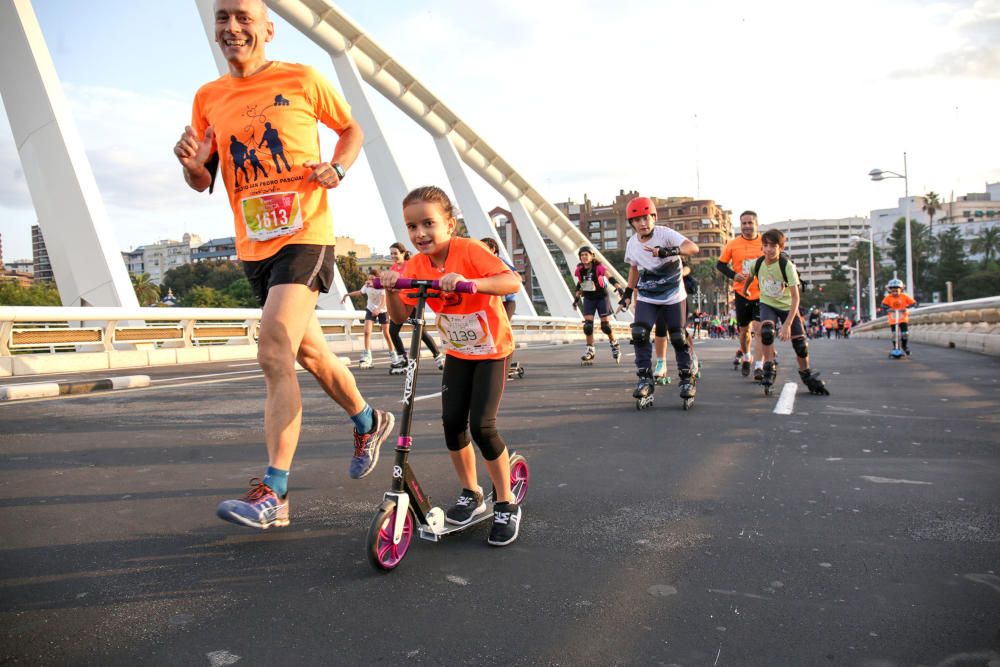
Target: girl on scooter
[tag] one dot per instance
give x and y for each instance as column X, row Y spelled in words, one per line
column 478, row 339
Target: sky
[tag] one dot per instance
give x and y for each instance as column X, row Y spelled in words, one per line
column 781, row 107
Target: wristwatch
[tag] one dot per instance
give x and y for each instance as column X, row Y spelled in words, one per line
column 337, row 167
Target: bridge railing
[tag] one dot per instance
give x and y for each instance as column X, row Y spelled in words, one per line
column 972, row 325
column 37, row 340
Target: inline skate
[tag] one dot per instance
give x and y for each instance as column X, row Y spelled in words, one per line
column 688, row 386
column 813, row 383
column 588, row 356
column 643, row 393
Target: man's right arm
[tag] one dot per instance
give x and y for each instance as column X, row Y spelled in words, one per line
column 725, row 269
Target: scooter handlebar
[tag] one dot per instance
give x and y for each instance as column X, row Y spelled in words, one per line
column 463, row 286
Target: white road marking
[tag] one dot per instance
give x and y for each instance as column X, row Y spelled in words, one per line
column 787, row 399
column 421, row 398
column 205, row 375
column 889, row 480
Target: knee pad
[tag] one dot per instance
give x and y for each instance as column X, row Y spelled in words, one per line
column 767, row 333
column 801, row 347
column 588, row 327
column 678, row 339
column 605, row 328
column 640, row 334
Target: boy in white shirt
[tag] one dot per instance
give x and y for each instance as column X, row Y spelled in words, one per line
column 654, row 257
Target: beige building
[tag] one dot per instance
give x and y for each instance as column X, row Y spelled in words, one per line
column 818, row 246
column 701, row 220
column 347, row 245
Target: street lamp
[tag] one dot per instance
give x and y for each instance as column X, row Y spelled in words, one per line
column 857, row 287
column 871, row 268
column 878, row 175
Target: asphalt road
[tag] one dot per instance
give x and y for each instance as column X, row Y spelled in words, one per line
column 862, row 529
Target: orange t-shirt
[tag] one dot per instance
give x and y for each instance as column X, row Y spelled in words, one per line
column 265, row 128
column 743, row 253
column 472, row 326
column 902, row 301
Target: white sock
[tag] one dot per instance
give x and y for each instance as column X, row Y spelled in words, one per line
column 758, row 364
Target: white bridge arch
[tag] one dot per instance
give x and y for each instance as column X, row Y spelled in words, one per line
column 74, row 219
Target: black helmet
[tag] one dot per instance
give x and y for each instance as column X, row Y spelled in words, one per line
column 584, row 249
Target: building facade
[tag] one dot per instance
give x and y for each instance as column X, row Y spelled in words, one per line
column 158, row 258
column 701, row 220
column 818, row 246
column 971, row 214
column 223, row 248
column 40, row 256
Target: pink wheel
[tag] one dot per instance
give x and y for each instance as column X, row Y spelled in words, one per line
column 382, row 553
column 519, row 476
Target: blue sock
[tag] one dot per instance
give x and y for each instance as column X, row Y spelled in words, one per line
column 364, row 421
column 277, row 480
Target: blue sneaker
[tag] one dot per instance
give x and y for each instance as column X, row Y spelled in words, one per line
column 367, row 445
column 260, row 508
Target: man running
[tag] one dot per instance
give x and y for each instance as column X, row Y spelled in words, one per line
column 284, row 236
column 742, row 252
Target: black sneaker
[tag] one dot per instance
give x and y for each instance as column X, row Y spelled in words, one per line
column 506, row 522
column 469, row 505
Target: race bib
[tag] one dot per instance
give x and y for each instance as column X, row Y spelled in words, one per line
column 272, row 215
column 588, row 286
column 747, row 265
column 468, row 334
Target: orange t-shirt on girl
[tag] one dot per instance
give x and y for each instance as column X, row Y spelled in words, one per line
column 472, row 326
column 265, row 128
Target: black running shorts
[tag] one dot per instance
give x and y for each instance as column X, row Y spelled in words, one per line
column 746, row 311
column 295, row 264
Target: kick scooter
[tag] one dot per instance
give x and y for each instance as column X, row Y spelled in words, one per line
column 406, row 509
column 897, row 346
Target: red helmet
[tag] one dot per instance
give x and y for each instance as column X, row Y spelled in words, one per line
column 640, row 206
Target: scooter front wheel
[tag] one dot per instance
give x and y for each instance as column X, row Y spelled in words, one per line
column 382, row 553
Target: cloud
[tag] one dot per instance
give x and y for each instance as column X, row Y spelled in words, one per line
column 975, row 52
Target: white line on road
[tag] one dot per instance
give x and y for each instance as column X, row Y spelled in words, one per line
column 203, row 376
column 421, row 398
column 787, row 399
column 889, row 480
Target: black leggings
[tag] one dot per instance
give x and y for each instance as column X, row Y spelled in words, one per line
column 397, row 340
column 470, row 397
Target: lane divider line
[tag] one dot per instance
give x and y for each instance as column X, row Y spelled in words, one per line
column 787, row 399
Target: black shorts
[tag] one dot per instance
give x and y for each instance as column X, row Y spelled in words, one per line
column 596, row 304
column 771, row 314
column 295, row 264
column 746, row 311
column 372, row 317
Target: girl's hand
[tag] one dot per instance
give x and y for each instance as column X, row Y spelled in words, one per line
column 786, row 332
column 450, row 280
column 388, row 279
column 344, row 298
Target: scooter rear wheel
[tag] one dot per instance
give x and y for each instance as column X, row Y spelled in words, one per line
column 519, row 477
column 382, row 553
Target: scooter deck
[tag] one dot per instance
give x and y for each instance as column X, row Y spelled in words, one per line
column 426, row 533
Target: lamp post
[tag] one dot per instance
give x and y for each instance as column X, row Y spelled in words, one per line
column 857, row 287
column 871, row 269
column 878, row 175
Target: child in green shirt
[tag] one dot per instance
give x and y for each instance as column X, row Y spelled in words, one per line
column 779, row 305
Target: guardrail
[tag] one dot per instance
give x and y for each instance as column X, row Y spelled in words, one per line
column 972, row 325
column 35, row 340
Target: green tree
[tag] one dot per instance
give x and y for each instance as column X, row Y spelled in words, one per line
column 932, row 204
column 216, row 273
column 241, row 292
column 38, row 294
column 922, row 246
column 952, row 264
column 617, row 259
column 350, row 272
column 987, row 243
column 978, row 285
column 207, row 297
column 146, row 291
column 860, row 254
column 837, row 290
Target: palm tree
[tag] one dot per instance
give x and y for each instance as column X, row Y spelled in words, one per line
column 987, row 243
column 932, row 204
column 146, row 291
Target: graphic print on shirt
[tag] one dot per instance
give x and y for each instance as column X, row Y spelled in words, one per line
column 275, row 213
column 659, row 283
